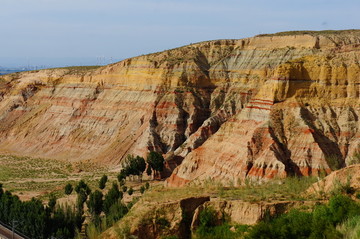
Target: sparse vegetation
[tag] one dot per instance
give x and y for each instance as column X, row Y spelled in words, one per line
column 13, row 168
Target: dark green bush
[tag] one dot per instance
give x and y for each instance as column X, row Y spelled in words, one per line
column 68, row 189
column 102, row 182
column 319, row 224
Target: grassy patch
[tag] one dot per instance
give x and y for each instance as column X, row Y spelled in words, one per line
column 13, row 167
column 42, row 177
column 291, row 188
column 277, row 190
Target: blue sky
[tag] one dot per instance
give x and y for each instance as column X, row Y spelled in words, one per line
column 75, row 32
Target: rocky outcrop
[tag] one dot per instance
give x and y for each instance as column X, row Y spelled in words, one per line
column 258, row 108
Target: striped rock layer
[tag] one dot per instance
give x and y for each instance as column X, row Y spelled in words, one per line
column 258, row 108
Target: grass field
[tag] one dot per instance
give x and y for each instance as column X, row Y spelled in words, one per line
column 34, row 177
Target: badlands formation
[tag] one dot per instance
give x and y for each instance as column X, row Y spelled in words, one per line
column 261, row 107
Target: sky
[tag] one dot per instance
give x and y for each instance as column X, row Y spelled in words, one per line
column 92, row 32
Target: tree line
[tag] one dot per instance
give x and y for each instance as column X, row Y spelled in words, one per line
column 36, row 220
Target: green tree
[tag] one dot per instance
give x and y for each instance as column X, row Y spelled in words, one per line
column 82, row 190
column 52, row 202
column 68, row 189
column 102, row 182
column 121, row 176
column 156, row 161
column 148, row 170
column 142, row 189
column 82, row 186
column 111, row 198
column 95, row 203
column 132, row 166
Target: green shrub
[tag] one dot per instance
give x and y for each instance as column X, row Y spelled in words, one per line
column 116, row 212
column 342, row 207
column 319, row 224
column 210, row 227
column 295, row 224
column 207, row 221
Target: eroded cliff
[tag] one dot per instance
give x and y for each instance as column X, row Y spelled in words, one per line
column 259, row 107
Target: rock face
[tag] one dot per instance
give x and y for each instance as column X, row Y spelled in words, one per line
column 257, row 108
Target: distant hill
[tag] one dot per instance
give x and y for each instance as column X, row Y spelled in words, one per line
column 9, row 71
